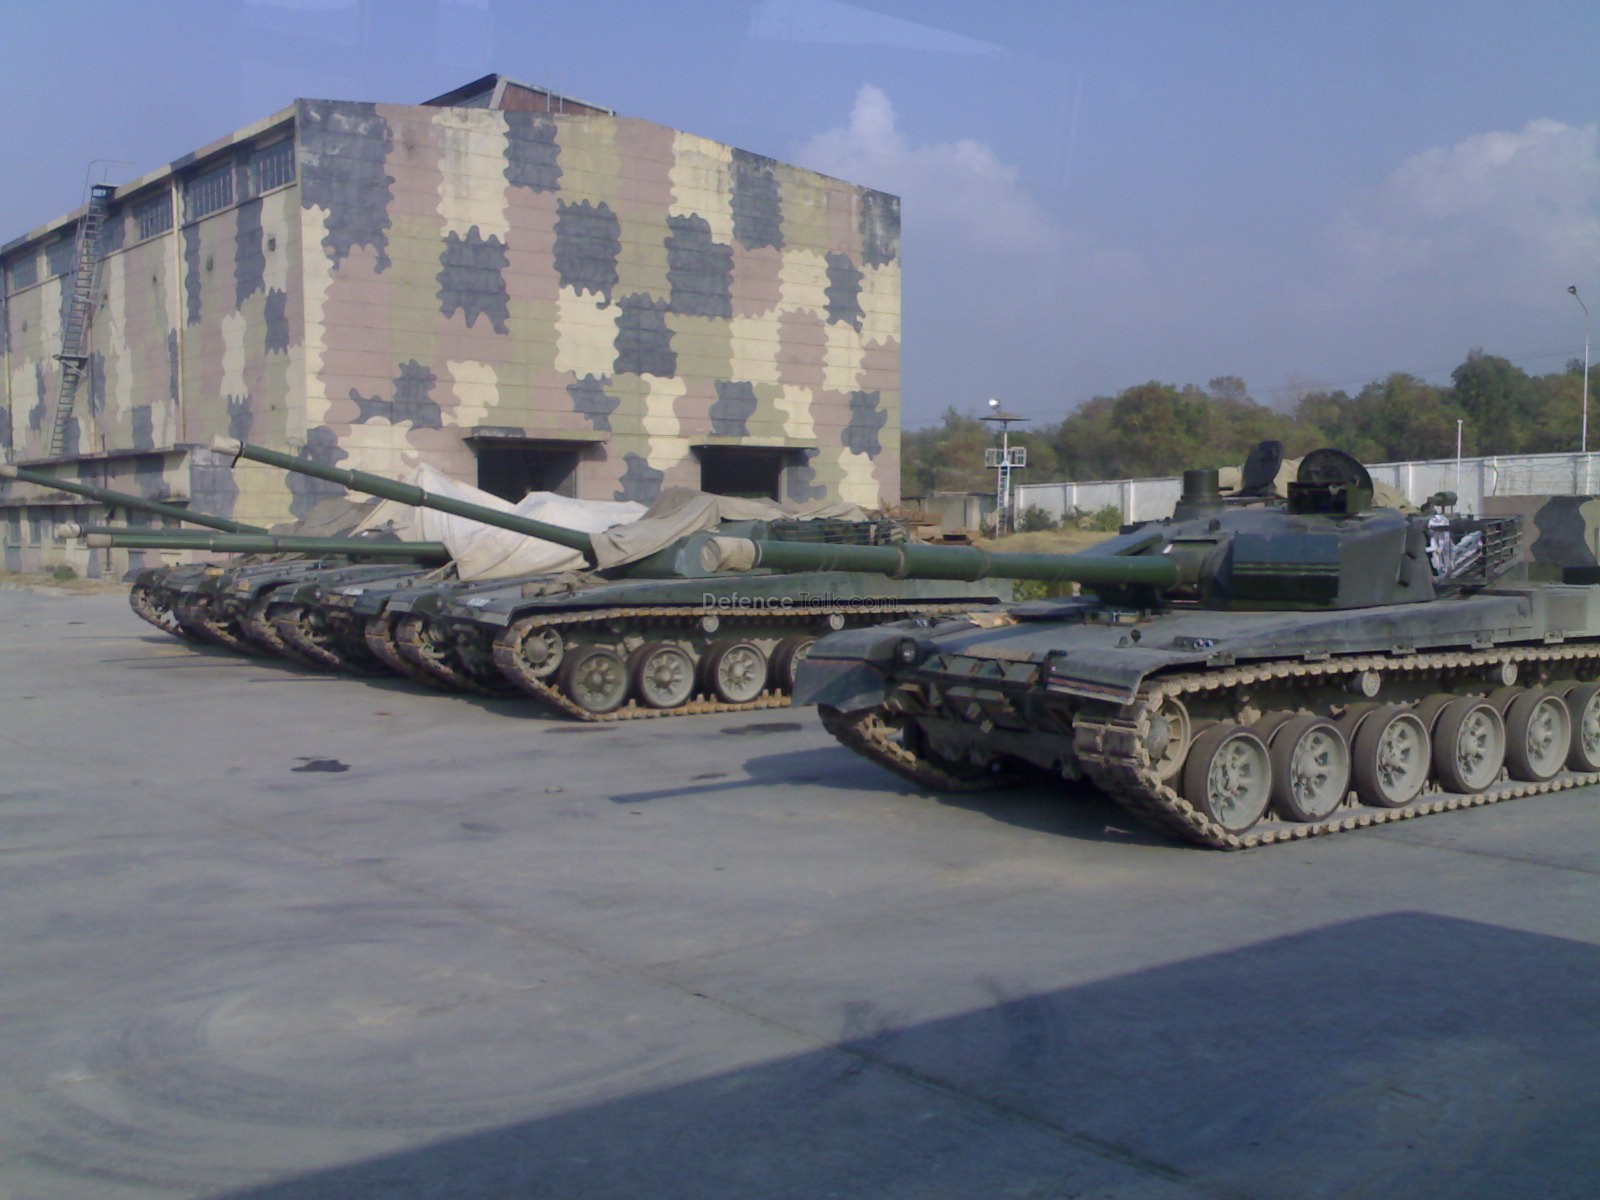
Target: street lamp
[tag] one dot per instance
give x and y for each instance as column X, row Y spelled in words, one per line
column 1584, row 444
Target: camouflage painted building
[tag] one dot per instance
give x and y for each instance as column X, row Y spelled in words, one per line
column 523, row 291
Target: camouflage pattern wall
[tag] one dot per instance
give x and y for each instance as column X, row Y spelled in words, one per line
column 1560, row 535
column 432, row 277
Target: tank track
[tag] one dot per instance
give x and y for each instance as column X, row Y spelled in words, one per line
column 1109, row 746
column 408, row 640
column 147, row 606
column 256, row 625
column 196, row 615
column 378, row 632
column 511, row 663
column 312, row 646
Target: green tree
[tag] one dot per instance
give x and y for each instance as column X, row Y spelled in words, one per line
column 1499, row 401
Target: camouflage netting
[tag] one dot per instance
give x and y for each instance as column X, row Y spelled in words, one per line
column 485, row 552
column 682, row 511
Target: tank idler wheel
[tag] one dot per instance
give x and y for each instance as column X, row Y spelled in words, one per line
column 1228, row 776
column 786, row 659
column 1390, row 757
column 1168, row 739
column 1583, row 706
column 662, row 674
column 1469, row 745
column 595, row 679
column 1538, row 735
column 1310, row 768
column 735, row 670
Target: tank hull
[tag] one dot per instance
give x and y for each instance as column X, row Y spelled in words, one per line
column 1132, row 704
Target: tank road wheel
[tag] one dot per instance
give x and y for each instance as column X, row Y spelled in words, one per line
column 1538, row 735
column 1389, row 758
column 786, row 658
column 1469, row 745
column 1310, row 768
column 662, row 675
column 1167, row 739
column 1228, row 776
column 595, row 679
column 736, row 670
column 1583, row 706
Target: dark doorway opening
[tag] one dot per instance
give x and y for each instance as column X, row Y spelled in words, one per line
column 511, row 470
column 750, row 472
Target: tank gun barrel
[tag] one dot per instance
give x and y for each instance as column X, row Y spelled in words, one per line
column 136, row 503
column 432, row 553
column 913, row 561
column 406, row 493
column 74, row 529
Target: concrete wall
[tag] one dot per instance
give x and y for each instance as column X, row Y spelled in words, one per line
column 1478, row 480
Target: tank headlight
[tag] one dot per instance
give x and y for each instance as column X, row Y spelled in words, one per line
column 907, row 652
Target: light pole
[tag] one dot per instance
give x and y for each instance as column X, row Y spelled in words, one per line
column 1004, row 459
column 1459, row 422
column 1584, row 442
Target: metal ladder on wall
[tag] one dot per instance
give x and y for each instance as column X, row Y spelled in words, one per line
column 74, row 356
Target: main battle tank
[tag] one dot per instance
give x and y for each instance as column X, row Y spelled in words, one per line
column 1241, row 673
column 635, row 628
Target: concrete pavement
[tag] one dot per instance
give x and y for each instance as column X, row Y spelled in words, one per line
column 271, row 934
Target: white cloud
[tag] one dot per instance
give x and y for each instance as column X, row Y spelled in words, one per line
column 1511, row 213
column 958, row 190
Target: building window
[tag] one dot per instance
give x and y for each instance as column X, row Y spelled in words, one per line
column 511, row 468
column 153, row 215
column 58, row 257
column 272, row 166
column 35, row 530
column 208, row 193
column 112, row 232
column 23, row 272
column 755, row 474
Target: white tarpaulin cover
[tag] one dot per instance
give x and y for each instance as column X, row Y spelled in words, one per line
column 679, row 512
column 485, row 552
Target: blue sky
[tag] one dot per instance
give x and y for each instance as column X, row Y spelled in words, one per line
column 1095, row 194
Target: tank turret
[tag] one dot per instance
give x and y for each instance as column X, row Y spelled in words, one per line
column 1326, row 547
column 122, row 500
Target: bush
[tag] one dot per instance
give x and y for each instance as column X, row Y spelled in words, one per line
column 1041, row 589
column 1035, row 520
column 61, row 573
column 1102, row 520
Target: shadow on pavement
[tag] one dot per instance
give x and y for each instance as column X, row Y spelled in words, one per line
column 1399, row 1056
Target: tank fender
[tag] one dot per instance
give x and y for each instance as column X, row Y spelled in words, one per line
column 849, row 670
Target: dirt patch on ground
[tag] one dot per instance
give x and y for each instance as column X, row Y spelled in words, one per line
column 46, row 582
